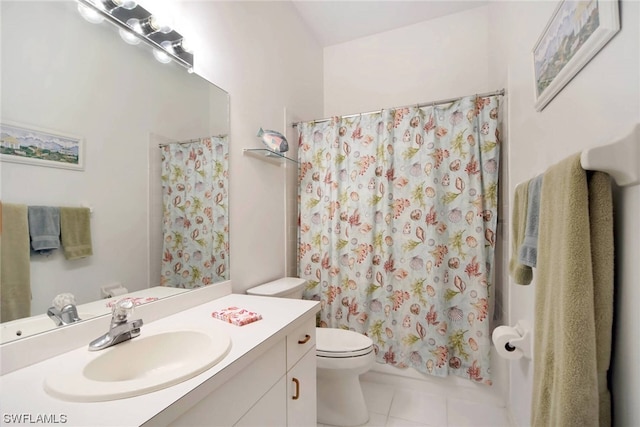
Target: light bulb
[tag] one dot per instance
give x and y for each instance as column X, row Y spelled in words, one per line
column 168, row 46
column 134, row 24
column 129, row 37
column 164, row 24
column 176, row 46
column 89, row 14
column 145, row 26
column 129, row 4
column 161, row 56
column 108, row 5
column 186, row 46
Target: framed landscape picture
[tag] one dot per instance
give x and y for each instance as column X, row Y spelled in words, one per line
column 575, row 33
column 34, row 146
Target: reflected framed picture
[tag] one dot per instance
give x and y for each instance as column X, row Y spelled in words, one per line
column 576, row 31
column 31, row 145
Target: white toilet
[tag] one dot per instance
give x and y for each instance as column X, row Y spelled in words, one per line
column 341, row 357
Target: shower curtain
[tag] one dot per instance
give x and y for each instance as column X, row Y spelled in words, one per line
column 195, row 208
column 398, row 214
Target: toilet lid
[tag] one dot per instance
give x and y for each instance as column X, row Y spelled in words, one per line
column 331, row 342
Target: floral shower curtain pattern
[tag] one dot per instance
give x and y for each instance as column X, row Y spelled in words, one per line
column 195, row 211
column 398, row 214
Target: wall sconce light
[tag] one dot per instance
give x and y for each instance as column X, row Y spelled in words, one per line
column 136, row 24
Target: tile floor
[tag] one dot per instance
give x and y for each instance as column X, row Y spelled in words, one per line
column 396, row 404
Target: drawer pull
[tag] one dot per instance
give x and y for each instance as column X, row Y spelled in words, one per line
column 296, row 396
column 305, row 340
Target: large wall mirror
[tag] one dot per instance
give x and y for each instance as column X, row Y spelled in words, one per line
column 66, row 76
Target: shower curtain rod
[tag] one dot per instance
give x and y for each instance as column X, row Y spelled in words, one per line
column 424, row 104
column 189, row 141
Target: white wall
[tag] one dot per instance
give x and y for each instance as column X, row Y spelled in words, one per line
column 261, row 53
column 432, row 60
column 599, row 105
column 437, row 59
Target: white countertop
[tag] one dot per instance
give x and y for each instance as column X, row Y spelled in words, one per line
column 22, row 393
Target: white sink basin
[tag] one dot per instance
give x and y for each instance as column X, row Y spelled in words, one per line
column 140, row 365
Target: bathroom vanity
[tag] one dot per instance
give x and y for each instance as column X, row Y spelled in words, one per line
column 266, row 378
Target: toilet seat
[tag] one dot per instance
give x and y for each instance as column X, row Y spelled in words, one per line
column 341, row 343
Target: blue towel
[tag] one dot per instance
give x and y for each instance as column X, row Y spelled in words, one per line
column 529, row 250
column 44, row 228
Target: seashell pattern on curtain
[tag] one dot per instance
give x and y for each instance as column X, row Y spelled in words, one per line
column 398, row 214
column 195, row 213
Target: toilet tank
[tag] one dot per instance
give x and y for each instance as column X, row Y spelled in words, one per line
column 286, row 287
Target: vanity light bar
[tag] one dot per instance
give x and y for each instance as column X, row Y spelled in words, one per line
column 139, row 23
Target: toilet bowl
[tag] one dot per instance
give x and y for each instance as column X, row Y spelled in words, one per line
column 341, row 357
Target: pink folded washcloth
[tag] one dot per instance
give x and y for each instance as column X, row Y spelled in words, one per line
column 136, row 300
column 236, row 316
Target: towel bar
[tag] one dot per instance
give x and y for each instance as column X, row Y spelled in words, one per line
column 85, row 205
column 620, row 159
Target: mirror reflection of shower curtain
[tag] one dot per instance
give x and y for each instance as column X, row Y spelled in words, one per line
column 195, row 210
column 398, row 213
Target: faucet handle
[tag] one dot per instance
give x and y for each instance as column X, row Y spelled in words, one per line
column 122, row 309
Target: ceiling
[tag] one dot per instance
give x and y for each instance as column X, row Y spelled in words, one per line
column 335, row 22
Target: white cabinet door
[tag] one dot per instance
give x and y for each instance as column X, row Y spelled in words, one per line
column 270, row 411
column 226, row 405
column 301, row 397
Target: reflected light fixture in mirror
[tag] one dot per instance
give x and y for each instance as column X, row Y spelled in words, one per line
column 136, row 23
column 90, row 15
column 161, row 56
column 129, row 37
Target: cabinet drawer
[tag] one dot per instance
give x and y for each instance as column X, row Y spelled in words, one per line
column 300, row 341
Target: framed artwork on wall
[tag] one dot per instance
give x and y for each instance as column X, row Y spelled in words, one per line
column 576, row 31
column 30, row 145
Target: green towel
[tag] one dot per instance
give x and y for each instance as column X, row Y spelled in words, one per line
column 75, row 232
column 574, row 298
column 15, row 273
column 520, row 273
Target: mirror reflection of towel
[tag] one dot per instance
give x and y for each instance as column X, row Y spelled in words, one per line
column 75, row 232
column 44, row 228
column 15, row 281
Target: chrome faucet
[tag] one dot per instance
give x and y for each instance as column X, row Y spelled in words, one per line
column 66, row 316
column 121, row 329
